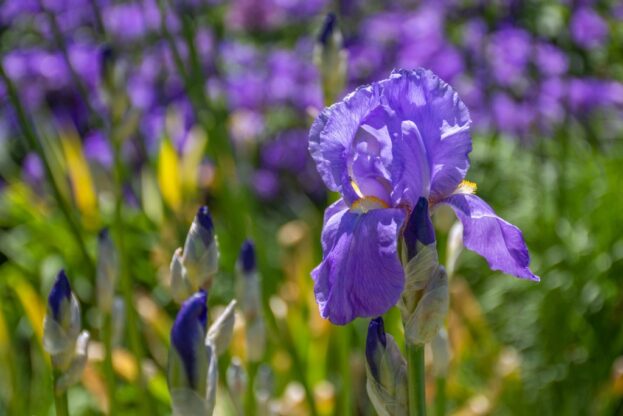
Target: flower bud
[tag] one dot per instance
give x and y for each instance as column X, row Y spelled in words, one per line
column 249, row 294
column 423, row 324
column 221, row 331
column 330, row 58
column 188, row 362
column 386, row 371
column 107, row 272
column 425, row 299
column 79, row 361
column 200, row 258
column 62, row 323
column 118, row 320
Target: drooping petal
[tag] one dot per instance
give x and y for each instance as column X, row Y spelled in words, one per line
column 497, row 240
column 440, row 119
column 360, row 274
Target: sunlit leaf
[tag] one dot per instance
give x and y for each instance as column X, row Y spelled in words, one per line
column 169, row 175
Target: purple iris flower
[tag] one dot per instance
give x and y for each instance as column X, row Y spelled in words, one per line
column 384, row 147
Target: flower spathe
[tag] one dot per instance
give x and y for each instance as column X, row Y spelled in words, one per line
column 383, row 147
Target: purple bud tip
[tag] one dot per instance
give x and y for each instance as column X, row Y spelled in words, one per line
column 376, row 336
column 419, row 228
column 104, row 234
column 247, row 256
column 205, row 219
column 107, row 54
column 189, row 328
column 328, row 27
column 61, row 290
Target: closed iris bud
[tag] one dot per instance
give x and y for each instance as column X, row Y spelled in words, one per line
column 62, row 323
column 425, row 300
column 330, row 58
column 76, row 367
column 187, row 358
column 249, row 294
column 200, row 257
column 107, row 272
column 192, row 363
column 386, row 372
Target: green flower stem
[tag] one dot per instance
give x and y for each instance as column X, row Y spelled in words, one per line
column 108, row 366
column 416, row 380
column 440, row 396
column 344, row 352
column 60, row 399
column 35, row 144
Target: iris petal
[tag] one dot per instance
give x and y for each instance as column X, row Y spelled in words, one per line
column 441, row 119
column 497, row 240
column 360, row 274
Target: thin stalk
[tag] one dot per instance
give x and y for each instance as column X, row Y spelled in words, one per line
column 108, row 366
column 250, row 407
column 35, row 144
column 60, row 399
column 440, row 396
column 416, row 380
column 126, row 281
column 344, row 351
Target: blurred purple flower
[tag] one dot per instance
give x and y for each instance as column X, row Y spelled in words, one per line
column 509, row 52
column 550, row 60
column 32, row 170
column 98, row 149
column 588, row 28
column 287, row 152
column 265, row 183
column 386, row 148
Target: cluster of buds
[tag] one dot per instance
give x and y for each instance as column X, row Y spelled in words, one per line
column 194, row 267
column 193, row 356
column 249, row 293
column 62, row 336
column 193, row 369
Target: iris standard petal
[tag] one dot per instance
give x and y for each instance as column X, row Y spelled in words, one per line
column 360, row 274
column 441, row 120
column 497, row 240
column 332, row 133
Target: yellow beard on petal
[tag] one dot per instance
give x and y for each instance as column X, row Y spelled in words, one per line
column 466, row 187
column 368, row 203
